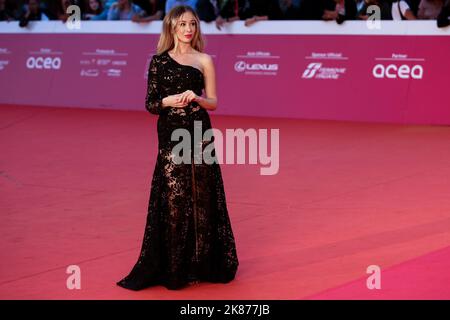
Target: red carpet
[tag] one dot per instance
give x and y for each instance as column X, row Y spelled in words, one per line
column 426, row 277
column 74, row 187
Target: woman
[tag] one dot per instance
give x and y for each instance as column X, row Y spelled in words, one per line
column 94, row 10
column 124, row 10
column 32, row 12
column 188, row 236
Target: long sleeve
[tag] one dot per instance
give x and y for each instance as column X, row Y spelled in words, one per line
column 113, row 14
column 153, row 101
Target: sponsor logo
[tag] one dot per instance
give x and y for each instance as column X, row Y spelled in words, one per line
column 103, row 62
column 89, row 72
column 3, row 64
column 114, row 72
column 44, row 63
column 398, row 66
column 311, row 70
column 244, row 63
column 242, row 66
column 394, row 71
column 316, row 70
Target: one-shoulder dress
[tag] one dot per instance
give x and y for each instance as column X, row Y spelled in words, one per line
column 188, row 235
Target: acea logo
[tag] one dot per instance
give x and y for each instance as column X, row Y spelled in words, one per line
column 257, row 68
column 393, row 71
column 398, row 66
column 45, row 59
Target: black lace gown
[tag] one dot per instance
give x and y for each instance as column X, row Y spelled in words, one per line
column 188, row 235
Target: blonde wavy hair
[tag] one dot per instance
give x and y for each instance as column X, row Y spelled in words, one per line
column 167, row 39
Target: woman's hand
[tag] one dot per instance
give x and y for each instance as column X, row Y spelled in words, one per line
column 174, row 101
column 136, row 18
column 250, row 21
column 180, row 100
column 188, row 96
column 330, row 15
column 220, row 22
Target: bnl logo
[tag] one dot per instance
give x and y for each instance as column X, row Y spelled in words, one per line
column 311, row 70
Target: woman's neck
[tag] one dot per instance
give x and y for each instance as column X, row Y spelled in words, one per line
column 182, row 49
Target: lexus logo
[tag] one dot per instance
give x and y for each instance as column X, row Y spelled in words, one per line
column 241, row 66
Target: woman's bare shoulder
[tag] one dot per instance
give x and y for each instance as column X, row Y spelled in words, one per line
column 205, row 59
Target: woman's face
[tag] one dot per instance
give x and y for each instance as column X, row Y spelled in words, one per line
column 94, row 5
column 186, row 27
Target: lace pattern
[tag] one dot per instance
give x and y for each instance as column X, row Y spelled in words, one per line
column 188, row 235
